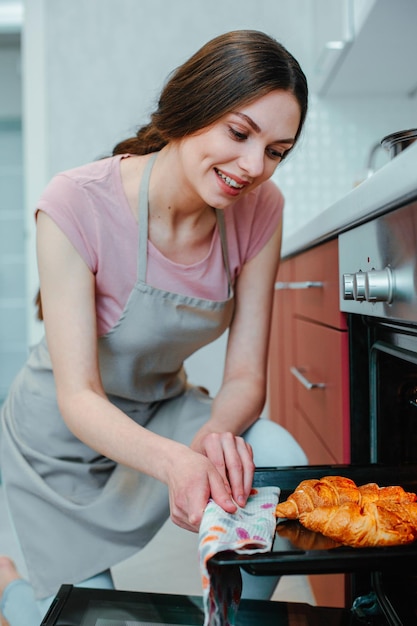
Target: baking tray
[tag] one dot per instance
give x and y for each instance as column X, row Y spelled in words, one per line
column 286, row 558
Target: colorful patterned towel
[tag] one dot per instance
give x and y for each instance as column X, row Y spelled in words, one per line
column 249, row 530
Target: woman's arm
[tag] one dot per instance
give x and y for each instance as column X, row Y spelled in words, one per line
column 243, row 391
column 68, row 299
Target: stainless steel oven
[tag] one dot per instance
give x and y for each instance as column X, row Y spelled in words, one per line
column 378, row 291
column 378, row 267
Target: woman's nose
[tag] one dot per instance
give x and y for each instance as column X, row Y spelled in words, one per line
column 253, row 162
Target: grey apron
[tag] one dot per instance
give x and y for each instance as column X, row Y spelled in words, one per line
column 77, row 513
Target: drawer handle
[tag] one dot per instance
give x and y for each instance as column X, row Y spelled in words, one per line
column 307, row 284
column 304, row 381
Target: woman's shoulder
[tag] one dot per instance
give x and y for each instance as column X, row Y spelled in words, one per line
column 83, row 184
column 89, row 173
column 83, row 201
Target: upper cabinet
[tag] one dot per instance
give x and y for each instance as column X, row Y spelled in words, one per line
column 365, row 47
column 332, row 33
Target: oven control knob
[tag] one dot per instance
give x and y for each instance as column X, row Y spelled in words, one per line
column 379, row 285
column 348, row 289
column 359, row 286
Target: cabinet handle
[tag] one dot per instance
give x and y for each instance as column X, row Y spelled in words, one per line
column 307, row 284
column 304, row 381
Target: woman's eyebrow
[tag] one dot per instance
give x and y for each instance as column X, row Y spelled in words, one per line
column 256, row 128
column 250, row 121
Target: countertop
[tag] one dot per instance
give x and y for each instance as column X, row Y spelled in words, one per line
column 391, row 186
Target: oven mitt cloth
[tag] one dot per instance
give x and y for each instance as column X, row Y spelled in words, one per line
column 249, row 530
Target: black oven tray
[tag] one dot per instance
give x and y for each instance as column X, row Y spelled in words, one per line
column 286, row 558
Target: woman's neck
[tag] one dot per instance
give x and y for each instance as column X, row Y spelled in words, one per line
column 180, row 225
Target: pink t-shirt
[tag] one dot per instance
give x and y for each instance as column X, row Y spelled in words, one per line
column 88, row 203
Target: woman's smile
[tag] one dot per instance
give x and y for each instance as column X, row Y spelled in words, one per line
column 233, row 184
column 242, row 149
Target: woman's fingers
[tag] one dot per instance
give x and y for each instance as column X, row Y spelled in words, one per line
column 240, row 469
column 189, row 495
column 223, row 471
column 233, row 459
column 246, row 454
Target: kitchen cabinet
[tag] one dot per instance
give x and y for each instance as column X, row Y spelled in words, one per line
column 308, row 364
column 280, row 345
column 309, row 369
column 359, row 46
column 332, row 34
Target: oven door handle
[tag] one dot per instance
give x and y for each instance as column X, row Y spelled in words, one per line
column 306, row 284
column 304, row 381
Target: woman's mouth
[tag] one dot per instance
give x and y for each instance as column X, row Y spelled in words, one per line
column 231, row 182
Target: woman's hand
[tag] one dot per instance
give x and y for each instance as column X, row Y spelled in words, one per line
column 218, row 466
column 233, row 459
column 192, row 480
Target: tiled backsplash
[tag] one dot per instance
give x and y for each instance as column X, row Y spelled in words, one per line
column 333, row 151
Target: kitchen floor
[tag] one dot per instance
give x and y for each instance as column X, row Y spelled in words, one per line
column 167, row 565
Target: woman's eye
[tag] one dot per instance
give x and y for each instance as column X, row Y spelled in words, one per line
column 276, row 154
column 238, row 135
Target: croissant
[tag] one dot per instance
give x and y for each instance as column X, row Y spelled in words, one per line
column 334, row 491
column 371, row 492
column 366, row 525
column 309, row 494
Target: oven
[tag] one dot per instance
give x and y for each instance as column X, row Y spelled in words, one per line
column 378, row 292
column 378, row 267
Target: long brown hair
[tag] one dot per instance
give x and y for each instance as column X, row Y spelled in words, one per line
column 230, row 70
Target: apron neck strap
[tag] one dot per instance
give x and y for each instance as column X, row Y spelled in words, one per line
column 225, row 251
column 143, row 212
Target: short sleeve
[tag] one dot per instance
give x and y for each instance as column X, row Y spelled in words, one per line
column 68, row 204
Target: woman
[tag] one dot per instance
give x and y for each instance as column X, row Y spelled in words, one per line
column 143, row 258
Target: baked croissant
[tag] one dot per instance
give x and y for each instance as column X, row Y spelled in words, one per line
column 367, row 525
column 334, row 491
column 371, row 492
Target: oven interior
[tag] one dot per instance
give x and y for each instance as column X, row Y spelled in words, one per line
column 383, row 398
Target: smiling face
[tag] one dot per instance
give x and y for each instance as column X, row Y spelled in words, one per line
column 241, row 150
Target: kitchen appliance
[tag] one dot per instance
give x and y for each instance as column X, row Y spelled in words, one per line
column 378, row 266
column 378, row 270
